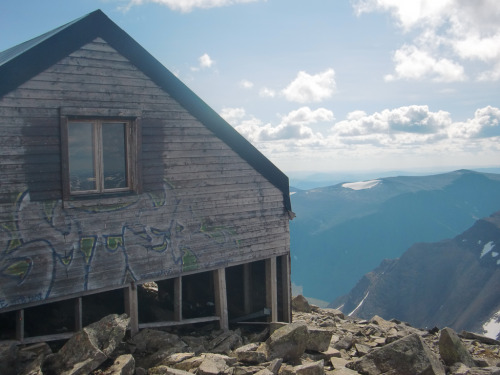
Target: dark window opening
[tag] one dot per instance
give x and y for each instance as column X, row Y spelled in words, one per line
column 97, row 306
column 51, row 318
column 198, row 297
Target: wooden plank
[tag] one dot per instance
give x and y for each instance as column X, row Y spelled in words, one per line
column 271, row 288
column 286, row 288
column 132, row 307
column 221, row 298
column 177, row 323
column 247, row 288
column 178, row 299
column 78, row 314
column 20, row 325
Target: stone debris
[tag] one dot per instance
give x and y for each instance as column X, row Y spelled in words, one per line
column 318, row 342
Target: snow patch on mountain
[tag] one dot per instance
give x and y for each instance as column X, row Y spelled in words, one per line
column 361, row 185
column 492, row 326
column 359, row 305
column 487, row 248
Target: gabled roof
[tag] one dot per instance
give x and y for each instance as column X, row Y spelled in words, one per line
column 22, row 62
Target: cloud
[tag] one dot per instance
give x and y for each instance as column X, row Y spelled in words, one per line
column 450, row 33
column 205, row 61
column 414, row 63
column 246, row 84
column 306, row 88
column 267, row 93
column 292, row 126
column 484, row 124
column 186, row 6
column 308, row 138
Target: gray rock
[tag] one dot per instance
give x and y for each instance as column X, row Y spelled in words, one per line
column 313, row 368
column 30, row 359
column 318, row 340
column 89, row 348
column 345, row 342
column 452, row 349
column 287, row 342
column 478, row 337
column 212, row 366
column 249, row 354
column 123, row 365
column 409, row 355
column 300, row 303
column 150, row 341
column 8, row 357
column 165, row 370
column 275, row 365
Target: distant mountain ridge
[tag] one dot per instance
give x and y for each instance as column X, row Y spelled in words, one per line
column 341, row 233
column 455, row 283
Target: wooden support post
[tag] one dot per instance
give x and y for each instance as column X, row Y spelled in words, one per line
column 132, row 308
column 78, row 314
column 178, row 298
column 272, row 288
column 286, row 288
column 20, row 325
column 221, row 298
column 247, row 288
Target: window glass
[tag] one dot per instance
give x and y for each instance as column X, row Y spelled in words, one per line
column 81, row 156
column 114, row 155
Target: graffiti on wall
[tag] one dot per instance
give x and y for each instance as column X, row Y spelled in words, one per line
column 51, row 249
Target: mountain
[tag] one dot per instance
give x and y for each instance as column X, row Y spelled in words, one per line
column 343, row 231
column 453, row 283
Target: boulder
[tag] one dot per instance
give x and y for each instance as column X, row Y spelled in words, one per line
column 452, row 350
column 409, row 355
column 165, row 370
column 345, row 342
column 312, row 368
column 481, row 338
column 225, row 342
column 123, row 365
column 249, row 354
column 318, row 340
column 8, row 357
column 300, row 304
column 150, row 341
column 212, row 365
column 30, row 359
column 287, row 342
column 89, row 348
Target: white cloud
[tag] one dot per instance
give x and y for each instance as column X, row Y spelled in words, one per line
column 484, row 124
column 307, row 88
column 413, row 63
column 446, row 31
column 267, row 93
column 186, row 6
column 205, row 61
column 246, row 84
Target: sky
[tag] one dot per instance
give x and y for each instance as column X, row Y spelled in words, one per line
column 322, row 85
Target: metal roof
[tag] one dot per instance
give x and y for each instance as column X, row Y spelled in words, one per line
column 22, row 62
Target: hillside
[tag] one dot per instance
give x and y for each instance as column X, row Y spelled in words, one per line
column 342, row 232
column 451, row 283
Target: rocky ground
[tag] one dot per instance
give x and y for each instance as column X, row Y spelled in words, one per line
column 319, row 341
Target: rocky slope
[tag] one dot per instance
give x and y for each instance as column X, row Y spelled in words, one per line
column 451, row 283
column 344, row 231
column 319, row 341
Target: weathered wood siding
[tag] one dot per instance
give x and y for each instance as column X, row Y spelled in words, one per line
column 202, row 206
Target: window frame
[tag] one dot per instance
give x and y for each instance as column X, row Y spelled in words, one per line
column 132, row 150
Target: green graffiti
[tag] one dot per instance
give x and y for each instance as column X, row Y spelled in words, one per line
column 114, row 242
column 158, row 198
column 217, row 233
column 19, row 269
column 87, row 246
column 48, row 210
column 189, row 261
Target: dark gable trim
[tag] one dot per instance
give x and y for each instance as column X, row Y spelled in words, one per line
column 69, row 38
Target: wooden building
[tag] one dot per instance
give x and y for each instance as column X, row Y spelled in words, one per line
column 114, row 175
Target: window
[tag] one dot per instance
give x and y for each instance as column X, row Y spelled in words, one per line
column 100, row 156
